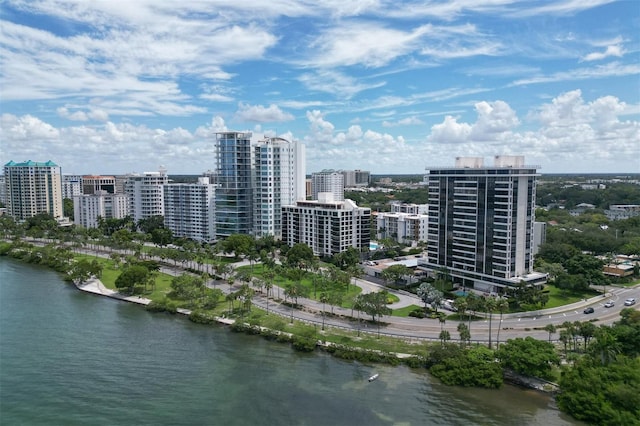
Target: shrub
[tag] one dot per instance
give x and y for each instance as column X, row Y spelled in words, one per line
column 303, row 344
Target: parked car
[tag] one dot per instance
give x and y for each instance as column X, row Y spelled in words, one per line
column 589, row 310
column 609, row 304
column 630, row 301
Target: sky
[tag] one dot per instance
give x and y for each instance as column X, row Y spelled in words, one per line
column 393, row 87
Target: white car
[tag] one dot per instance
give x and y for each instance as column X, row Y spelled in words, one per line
column 609, row 304
column 630, row 301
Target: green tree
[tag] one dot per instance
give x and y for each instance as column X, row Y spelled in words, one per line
column 550, row 328
column 131, row 277
column 298, row 255
column 528, row 356
column 394, row 274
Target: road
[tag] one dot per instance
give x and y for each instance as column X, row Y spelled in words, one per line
column 511, row 326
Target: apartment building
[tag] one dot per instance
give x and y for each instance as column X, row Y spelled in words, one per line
column 328, row 181
column 356, row 178
column 234, row 177
column 279, row 167
column 89, row 208
column 189, row 209
column 71, row 186
column 327, row 225
column 481, row 223
column 145, row 194
column 32, row 188
column 406, row 223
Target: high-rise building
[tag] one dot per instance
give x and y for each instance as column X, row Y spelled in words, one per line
column 355, row 178
column 71, row 186
column 33, row 188
column 279, row 167
column 92, row 183
column 328, row 181
column 89, row 208
column 481, row 223
column 326, row 225
column 145, row 194
column 189, row 209
column 234, row 177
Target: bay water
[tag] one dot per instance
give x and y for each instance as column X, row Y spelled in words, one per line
column 71, row 358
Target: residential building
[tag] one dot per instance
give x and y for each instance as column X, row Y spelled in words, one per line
column 3, row 190
column 33, row 188
column 356, row 178
column 145, row 194
column 71, row 186
column 91, row 184
column 189, row 209
column 234, row 177
column 622, row 211
column 327, row 225
column 405, row 228
column 89, row 208
column 328, row 181
column 279, row 167
column 409, row 208
column 481, row 223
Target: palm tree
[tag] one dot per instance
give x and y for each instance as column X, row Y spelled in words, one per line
column 323, row 298
column 444, row 336
column 502, row 305
column 551, row 329
column 465, row 335
column 490, row 305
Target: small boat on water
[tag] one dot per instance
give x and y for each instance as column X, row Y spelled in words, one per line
column 372, row 378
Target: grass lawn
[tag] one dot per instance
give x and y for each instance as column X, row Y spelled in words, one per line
column 404, row 312
column 559, row 297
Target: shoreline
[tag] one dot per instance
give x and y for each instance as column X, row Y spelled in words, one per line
column 96, row 287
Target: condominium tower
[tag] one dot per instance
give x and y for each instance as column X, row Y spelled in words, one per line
column 279, row 180
column 189, row 209
column 145, row 194
column 326, row 225
column 328, row 181
column 33, row 188
column 234, row 177
column 481, row 219
column 89, row 208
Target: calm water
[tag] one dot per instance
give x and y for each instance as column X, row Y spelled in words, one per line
column 68, row 358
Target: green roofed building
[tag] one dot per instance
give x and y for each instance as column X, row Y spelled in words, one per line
column 33, row 188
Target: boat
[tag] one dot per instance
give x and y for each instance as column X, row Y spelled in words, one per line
column 372, row 378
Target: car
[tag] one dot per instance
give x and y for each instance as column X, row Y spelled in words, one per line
column 630, row 301
column 609, row 304
column 589, row 310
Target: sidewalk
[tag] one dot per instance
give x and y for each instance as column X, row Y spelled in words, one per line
column 95, row 286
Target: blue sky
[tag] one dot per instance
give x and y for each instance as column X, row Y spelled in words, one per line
column 387, row 86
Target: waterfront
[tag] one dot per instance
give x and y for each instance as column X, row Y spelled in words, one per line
column 67, row 357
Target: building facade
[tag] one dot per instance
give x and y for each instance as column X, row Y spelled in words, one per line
column 145, row 194
column 481, row 223
column 33, row 188
column 234, row 176
column 328, row 181
column 189, row 210
column 405, row 228
column 356, row 178
column 88, row 209
column 71, row 186
column 326, row 225
column 91, row 184
column 279, row 167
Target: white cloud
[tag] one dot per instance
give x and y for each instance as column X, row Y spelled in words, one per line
column 336, row 83
column 408, row 121
column 613, row 69
column 261, row 114
column 614, row 50
column 570, row 131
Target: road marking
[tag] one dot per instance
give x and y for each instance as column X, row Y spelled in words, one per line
column 564, row 314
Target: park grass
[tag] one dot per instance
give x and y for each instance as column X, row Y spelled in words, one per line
column 558, row 297
column 404, row 312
